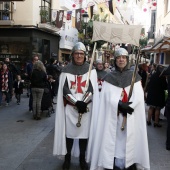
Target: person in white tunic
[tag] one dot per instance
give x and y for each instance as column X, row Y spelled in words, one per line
column 78, row 99
column 100, row 73
column 114, row 148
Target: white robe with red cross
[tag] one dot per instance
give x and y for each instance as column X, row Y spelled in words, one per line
column 109, row 141
column 67, row 117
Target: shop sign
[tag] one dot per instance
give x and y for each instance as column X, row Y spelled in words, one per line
column 69, row 38
column 8, row 56
column 53, row 54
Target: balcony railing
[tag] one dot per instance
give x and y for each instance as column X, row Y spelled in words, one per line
column 48, row 19
column 45, row 14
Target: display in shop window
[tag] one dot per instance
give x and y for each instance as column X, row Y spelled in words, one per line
column 4, row 49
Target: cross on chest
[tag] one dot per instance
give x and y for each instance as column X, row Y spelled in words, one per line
column 79, row 84
column 100, row 81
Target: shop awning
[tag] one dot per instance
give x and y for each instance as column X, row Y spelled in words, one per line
column 161, row 46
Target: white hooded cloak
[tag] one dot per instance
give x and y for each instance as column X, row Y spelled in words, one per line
column 107, row 137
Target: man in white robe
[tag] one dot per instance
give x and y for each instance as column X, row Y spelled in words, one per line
column 113, row 147
column 79, row 99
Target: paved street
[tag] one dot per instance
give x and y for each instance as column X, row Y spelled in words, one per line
column 28, row 144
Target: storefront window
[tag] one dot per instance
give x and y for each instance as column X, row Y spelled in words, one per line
column 16, row 48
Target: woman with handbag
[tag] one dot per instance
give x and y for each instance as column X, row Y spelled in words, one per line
column 38, row 81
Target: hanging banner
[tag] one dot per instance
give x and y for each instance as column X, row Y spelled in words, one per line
column 59, row 19
column 78, row 19
column 116, row 33
column 91, row 12
column 69, row 13
column 111, row 6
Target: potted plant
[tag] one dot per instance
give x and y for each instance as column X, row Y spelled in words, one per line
column 44, row 15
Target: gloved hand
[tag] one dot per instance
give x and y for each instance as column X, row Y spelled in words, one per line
column 81, row 106
column 124, row 107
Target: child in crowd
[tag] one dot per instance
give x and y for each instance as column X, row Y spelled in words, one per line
column 50, row 82
column 18, row 88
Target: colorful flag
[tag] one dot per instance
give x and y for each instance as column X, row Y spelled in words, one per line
column 78, row 19
column 111, row 6
column 91, row 12
column 69, row 13
column 59, row 19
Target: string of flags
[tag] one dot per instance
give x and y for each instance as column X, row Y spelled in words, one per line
column 80, row 11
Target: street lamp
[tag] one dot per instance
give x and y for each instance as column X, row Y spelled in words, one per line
column 85, row 19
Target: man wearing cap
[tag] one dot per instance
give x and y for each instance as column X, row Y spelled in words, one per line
column 77, row 100
column 100, row 73
column 120, row 149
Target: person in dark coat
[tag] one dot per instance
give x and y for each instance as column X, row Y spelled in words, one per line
column 13, row 71
column 143, row 73
column 54, row 70
column 167, row 114
column 18, row 88
column 29, row 69
column 38, row 83
column 156, row 96
column 166, row 72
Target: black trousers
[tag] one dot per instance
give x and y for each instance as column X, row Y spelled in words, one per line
column 82, row 145
column 18, row 97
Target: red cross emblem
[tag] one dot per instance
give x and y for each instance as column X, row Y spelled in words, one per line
column 100, row 82
column 79, row 84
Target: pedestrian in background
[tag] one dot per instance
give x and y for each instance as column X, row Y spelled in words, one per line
column 29, row 69
column 54, row 70
column 13, row 72
column 5, row 83
column 107, row 68
column 18, row 88
column 38, row 83
column 156, row 96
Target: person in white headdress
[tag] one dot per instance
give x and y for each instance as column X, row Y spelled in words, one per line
column 100, row 73
column 113, row 147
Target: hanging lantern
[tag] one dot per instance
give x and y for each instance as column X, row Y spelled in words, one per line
column 82, row 11
column 74, row 5
column 144, row 9
column 154, row 3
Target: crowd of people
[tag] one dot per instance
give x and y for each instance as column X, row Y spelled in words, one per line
column 98, row 118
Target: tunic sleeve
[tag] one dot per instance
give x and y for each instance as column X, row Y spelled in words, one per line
column 66, row 89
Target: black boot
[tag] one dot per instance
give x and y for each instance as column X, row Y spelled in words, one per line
column 116, row 168
column 66, row 164
column 132, row 167
column 83, row 163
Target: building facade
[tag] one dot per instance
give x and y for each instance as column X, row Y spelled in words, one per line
column 28, row 27
column 162, row 31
